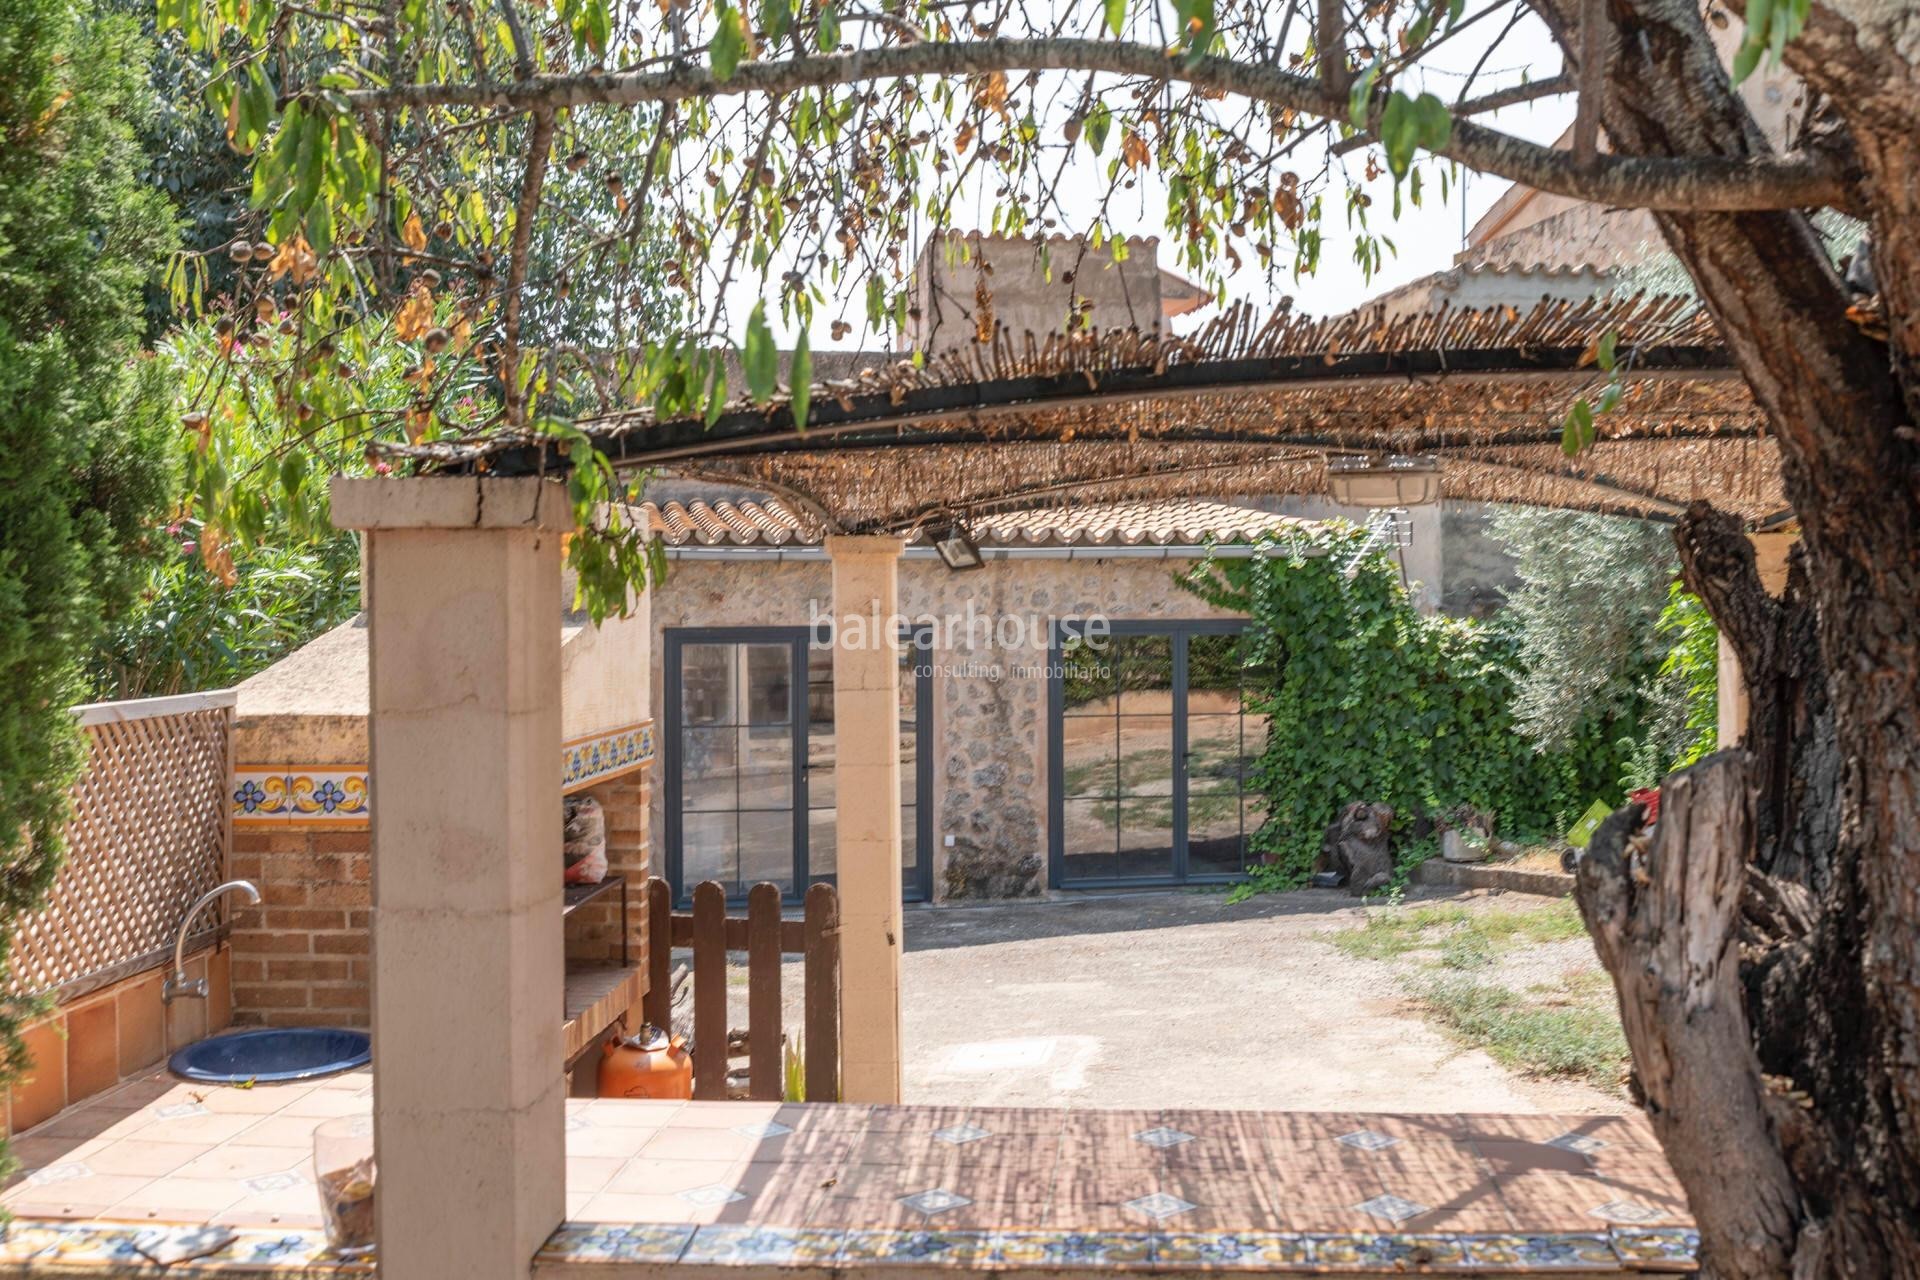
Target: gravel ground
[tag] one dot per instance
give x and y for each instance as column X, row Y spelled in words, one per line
column 1178, row 999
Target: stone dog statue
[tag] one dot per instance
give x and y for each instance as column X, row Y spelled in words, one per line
column 1355, row 847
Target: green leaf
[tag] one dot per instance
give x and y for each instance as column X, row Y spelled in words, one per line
column 1099, row 123
column 800, row 377
column 1435, row 122
column 1116, row 14
column 1360, row 97
column 729, row 43
column 759, row 360
column 1603, row 354
column 776, row 19
column 1576, row 433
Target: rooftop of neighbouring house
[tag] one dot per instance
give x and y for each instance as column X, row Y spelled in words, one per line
column 766, row 521
column 726, row 1186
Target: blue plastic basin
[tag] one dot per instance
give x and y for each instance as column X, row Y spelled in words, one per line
column 273, row 1055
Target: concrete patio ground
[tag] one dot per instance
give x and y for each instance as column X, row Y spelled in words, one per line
column 761, row 1187
column 1180, row 999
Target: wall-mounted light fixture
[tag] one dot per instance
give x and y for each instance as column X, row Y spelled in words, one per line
column 956, row 549
column 1396, row 480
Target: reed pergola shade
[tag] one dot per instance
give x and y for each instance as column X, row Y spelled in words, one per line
column 1241, row 406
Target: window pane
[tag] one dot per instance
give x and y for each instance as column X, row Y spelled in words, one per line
column 823, row 843
column 1146, row 755
column 1213, row 674
column 1213, row 833
column 769, row 675
column 909, row 844
column 709, row 849
column 1146, row 837
column 766, row 767
column 909, row 764
column 1088, row 677
column 709, row 769
column 822, row 775
column 1213, row 753
column 706, row 684
column 1087, row 839
column 1253, row 745
column 766, row 848
column 1146, row 674
column 1089, row 756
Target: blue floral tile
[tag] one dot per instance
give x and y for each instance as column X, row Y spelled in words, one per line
column 921, row 1248
column 1073, row 1248
column 746, row 1245
column 231, row 1254
column 1550, row 1251
column 1227, row 1250
column 615, row 1242
column 1396, row 1251
column 1662, row 1249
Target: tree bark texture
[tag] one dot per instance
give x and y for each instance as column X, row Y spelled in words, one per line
column 1830, row 939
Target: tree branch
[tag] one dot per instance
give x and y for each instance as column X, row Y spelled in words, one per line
column 539, row 144
column 1700, row 183
column 1498, row 100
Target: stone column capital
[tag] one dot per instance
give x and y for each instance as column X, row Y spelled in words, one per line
column 526, row 503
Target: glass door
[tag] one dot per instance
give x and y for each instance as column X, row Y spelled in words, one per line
column 1150, row 755
column 750, row 770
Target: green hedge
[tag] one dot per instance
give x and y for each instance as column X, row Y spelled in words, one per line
column 1370, row 700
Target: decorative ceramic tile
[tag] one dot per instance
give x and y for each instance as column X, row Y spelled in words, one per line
column 1073, row 1248
column 177, row 1110
column 934, row 1200
column 303, row 796
column 1554, row 1251
column 1162, row 1137
column 1392, row 1208
column 1625, row 1211
column 605, row 755
column 122, row 1249
column 1366, row 1140
column 615, row 1242
column 762, row 1246
column 924, row 1248
column 716, row 1193
column 66, row 1171
column 1395, row 1252
column 1160, row 1206
column 1664, row 1249
column 1252, row 1251
column 960, row 1134
column 771, row 1129
column 1578, row 1143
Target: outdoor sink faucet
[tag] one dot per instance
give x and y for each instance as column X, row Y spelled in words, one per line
column 177, row 983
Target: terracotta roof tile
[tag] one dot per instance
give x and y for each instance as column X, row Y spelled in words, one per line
column 1173, row 522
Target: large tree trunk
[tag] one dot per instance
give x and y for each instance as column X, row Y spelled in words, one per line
column 1831, row 946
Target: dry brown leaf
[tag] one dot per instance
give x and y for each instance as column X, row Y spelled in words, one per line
column 295, row 259
column 414, row 233
column 415, row 315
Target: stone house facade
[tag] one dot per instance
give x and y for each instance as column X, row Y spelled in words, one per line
column 984, row 793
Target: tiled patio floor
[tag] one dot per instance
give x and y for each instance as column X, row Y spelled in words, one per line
column 767, row 1184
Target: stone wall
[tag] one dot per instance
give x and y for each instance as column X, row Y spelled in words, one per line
column 989, row 700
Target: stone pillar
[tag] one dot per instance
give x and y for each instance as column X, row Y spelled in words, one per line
column 866, row 712
column 464, row 701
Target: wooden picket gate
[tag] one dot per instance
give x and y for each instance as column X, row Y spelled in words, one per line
column 765, row 936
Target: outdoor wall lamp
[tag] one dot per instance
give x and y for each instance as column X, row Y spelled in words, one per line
column 956, row 549
column 1397, row 480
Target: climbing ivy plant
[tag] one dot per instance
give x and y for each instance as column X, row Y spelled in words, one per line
column 1367, row 699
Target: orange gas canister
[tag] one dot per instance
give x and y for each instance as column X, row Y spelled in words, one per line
column 647, row 1064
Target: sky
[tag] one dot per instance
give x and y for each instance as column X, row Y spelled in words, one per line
column 1426, row 237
